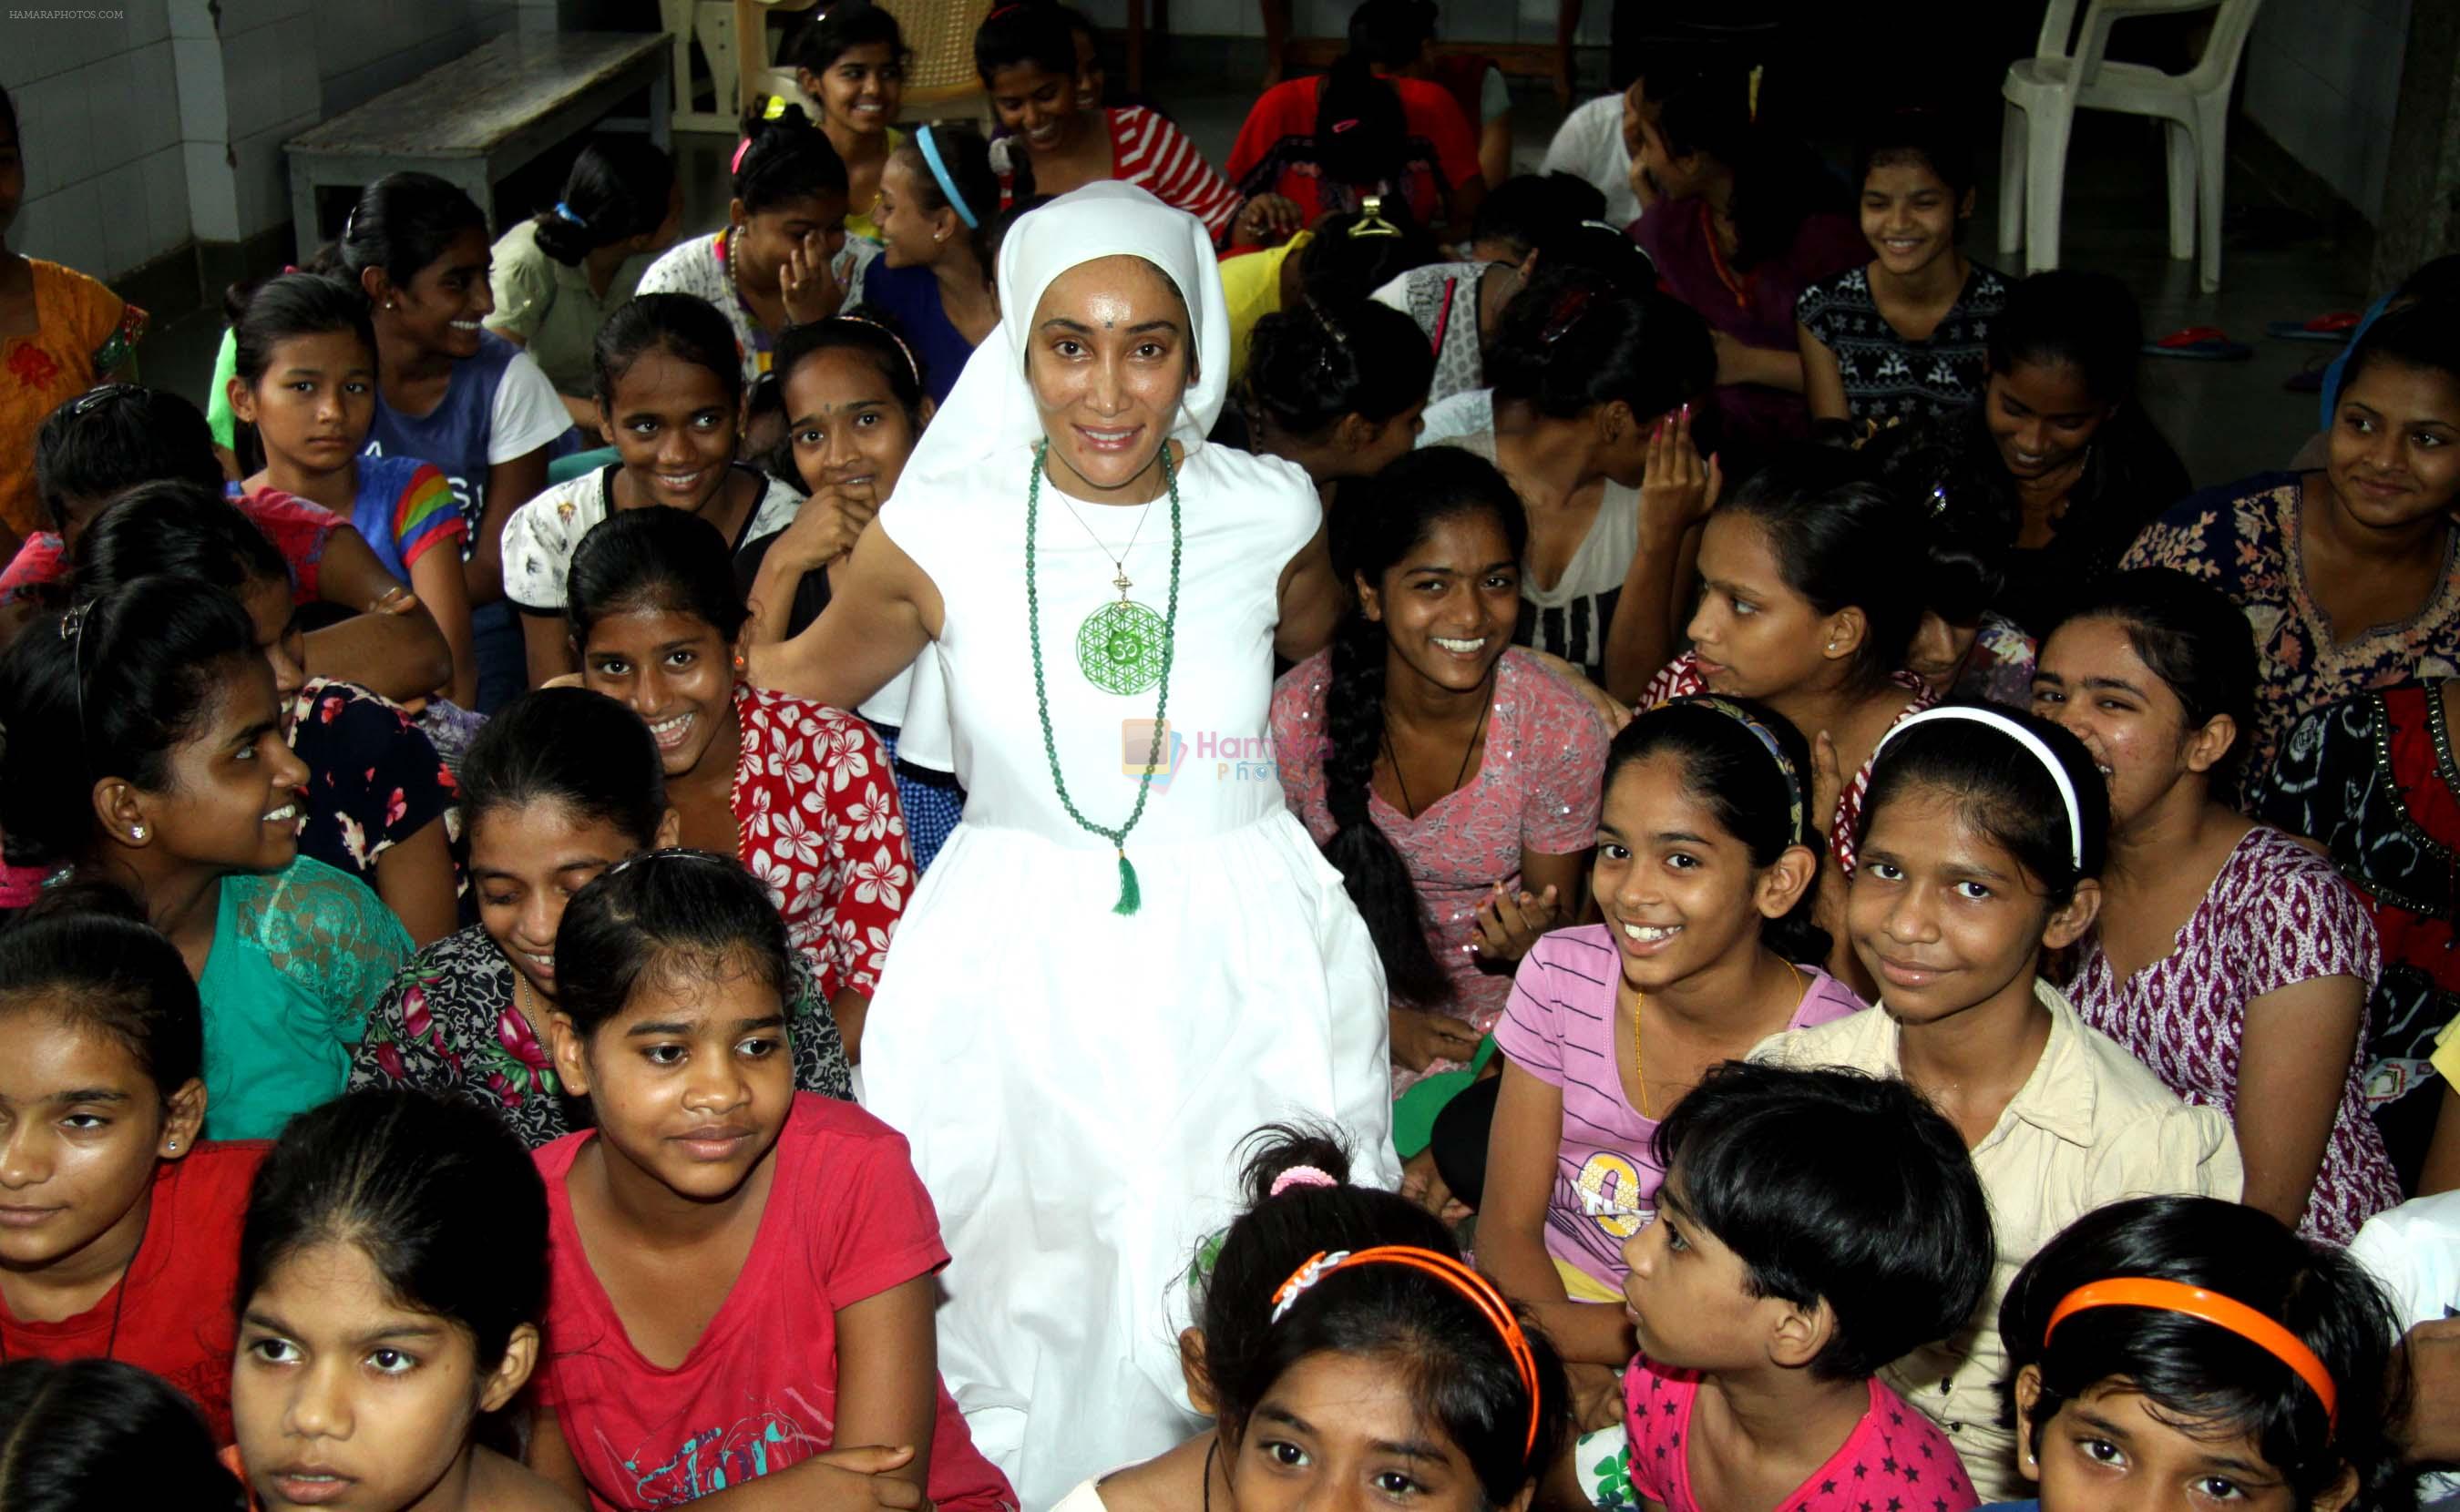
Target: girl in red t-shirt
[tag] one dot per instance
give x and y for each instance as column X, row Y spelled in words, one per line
column 115, row 1223
column 743, row 1275
column 391, row 1274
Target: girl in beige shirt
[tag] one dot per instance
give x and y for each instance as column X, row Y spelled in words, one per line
column 1983, row 834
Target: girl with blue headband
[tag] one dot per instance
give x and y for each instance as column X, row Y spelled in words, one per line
column 938, row 197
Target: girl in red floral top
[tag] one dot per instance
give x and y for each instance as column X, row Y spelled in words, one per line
column 558, row 786
column 803, row 792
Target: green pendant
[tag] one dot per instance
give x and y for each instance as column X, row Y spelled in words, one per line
column 1121, row 647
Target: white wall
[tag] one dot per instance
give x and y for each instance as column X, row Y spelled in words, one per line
column 98, row 119
column 1460, row 21
column 2322, row 77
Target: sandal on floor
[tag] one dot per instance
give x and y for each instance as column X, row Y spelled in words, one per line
column 2334, row 328
column 2199, row 344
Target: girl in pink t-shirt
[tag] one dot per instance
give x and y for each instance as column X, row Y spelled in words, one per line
column 742, row 1275
column 1706, row 873
column 1814, row 1226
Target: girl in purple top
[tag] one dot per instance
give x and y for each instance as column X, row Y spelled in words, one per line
column 1739, row 219
column 2228, row 957
column 1704, row 871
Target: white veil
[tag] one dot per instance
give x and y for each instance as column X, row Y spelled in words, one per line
column 991, row 409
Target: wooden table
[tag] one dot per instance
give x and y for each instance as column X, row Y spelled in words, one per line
column 481, row 116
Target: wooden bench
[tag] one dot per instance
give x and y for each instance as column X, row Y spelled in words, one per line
column 482, row 117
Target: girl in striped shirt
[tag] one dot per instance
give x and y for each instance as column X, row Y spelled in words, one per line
column 1053, row 142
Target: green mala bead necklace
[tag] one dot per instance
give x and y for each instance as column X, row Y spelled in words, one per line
column 1122, row 647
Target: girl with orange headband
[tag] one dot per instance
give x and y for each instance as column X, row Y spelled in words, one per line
column 2184, row 1351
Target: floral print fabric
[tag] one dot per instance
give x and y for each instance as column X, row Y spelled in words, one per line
column 374, row 779
column 817, row 821
column 450, row 1024
column 2243, row 539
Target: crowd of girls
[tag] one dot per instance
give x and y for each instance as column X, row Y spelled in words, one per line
column 1463, row 851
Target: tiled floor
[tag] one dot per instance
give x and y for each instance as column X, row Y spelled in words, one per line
column 2227, row 419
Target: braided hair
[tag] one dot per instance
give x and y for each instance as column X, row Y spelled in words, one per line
column 1380, row 520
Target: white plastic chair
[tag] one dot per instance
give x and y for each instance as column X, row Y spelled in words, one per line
column 2045, row 91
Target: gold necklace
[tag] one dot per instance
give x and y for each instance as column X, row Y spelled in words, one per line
column 1639, row 1073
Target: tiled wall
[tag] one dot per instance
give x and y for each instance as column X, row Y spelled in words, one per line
column 98, row 114
column 2323, row 79
column 166, row 125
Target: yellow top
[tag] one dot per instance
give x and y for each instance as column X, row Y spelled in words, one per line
column 1251, row 287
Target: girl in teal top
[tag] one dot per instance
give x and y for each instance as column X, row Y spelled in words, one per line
column 145, row 751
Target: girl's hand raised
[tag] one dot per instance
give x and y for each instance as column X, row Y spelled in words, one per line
column 807, row 284
column 1509, row 923
column 823, row 531
column 1678, row 490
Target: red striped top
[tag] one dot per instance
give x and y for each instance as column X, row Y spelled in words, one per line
column 1157, row 156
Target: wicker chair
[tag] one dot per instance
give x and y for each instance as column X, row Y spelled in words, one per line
column 940, row 82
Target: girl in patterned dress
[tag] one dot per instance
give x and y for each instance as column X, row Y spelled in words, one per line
column 1448, row 773
column 2348, row 577
column 560, row 785
column 800, row 791
column 2229, row 956
column 1900, row 338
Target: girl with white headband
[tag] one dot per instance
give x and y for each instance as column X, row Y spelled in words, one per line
column 1983, row 835
column 1130, row 953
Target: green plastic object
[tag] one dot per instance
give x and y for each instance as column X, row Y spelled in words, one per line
column 581, row 464
column 1413, row 1112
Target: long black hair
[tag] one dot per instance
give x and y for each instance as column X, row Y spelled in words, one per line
column 402, row 222
column 619, row 188
column 1362, row 132
column 1570, row 342
column 1841, row 540
column 668, row 910
column 569, row 746
column 2204, row 1379
column 652, row 558
column 108, row 689
column 1702, row 105
column 438, row 1194
column 1341, row 266
column 1308, row 367
column 84, row 1434
column 1450, row 1355
column 1381, row 520
column 1753, row 793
